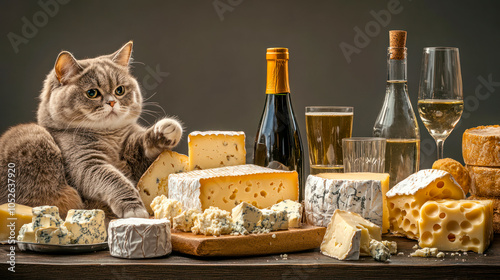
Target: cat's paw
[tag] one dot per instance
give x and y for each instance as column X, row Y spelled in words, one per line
column 165, row 134
column 136, row 212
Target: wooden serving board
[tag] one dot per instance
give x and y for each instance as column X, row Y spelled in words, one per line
column 276, row 242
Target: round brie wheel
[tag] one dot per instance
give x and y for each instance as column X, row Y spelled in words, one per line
column 137, row 238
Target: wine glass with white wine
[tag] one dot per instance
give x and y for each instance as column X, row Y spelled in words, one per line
column 440, row 98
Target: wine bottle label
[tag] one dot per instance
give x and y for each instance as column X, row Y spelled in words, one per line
column 277, row 71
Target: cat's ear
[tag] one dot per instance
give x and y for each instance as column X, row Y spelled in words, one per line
column 66, row 67
column 122, row 56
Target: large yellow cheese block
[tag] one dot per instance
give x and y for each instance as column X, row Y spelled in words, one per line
column 456, row 225
column 485, row 181
column 211, row 149
column 12, row 219
column 405, row 199
column 496, row 210
column 481, row 146
column 226, row 187
column 154, row 181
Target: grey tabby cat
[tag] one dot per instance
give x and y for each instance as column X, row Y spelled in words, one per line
column 87, row 150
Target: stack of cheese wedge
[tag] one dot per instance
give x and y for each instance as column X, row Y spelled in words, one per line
column 481, row 152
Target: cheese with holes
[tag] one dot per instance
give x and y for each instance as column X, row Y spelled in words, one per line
column 246, row 218
column 406, row 198
column 456, row 225
column 211, row 149
column 154, row 181
column 213, row 221
column 227, row 187
column 496, row 210
column 135, row 238
column 12, row 219
column 481, row 146
column 273, row 220
column 185, row 220
column 348, row 236
column 164, row 207
column 293, row 210
column 485, row 181
column 53, row 235
column 362, row 193
column 86, row 226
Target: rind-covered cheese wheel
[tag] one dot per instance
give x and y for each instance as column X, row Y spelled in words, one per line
column 481, row 146
column 496, row 210
column 485, row 181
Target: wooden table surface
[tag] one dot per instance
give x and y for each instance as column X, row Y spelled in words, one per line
column 302, row 265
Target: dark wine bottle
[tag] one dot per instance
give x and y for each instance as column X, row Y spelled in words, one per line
column 278, row 144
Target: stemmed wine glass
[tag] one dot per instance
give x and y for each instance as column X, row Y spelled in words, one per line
column 440, row 98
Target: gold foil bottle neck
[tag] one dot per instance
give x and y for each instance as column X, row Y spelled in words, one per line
column 277, row 70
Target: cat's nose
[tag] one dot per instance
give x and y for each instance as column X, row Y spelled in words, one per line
column 111, row 103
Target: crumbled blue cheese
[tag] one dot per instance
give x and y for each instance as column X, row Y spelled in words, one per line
column 185, row 220
column 213, row 221
column 164, row 207
column 379, row 251
column 26, row 233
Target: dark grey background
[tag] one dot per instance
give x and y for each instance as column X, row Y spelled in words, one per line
column 216, row 63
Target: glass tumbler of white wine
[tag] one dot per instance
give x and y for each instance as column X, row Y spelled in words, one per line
column 440, row 98
column 326, row 126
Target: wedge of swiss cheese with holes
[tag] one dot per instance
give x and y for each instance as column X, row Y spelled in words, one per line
column 226, row 187
column 456, row 225
column 211, row 149
column 407, row 197
column 481, row 146
column 496, row 210
column 154, row 181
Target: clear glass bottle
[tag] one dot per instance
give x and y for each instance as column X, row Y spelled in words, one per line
column 278, row 144
column 397, row 121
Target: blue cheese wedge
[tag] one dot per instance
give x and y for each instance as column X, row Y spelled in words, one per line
column 154, row 182
column 46, row 221
column 164, row 207
column 26, row 233
column 273, row 220
column 213, row 221
column 53, row 235
column 246, row 218
column 86, row 226
column 185, row 220
column 293, row 210
column 46, row 211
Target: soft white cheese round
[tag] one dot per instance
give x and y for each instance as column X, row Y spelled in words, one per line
column 136, row 238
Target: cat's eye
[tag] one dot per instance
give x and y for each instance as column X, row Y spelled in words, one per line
column 120, row 91
column 93, row 93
